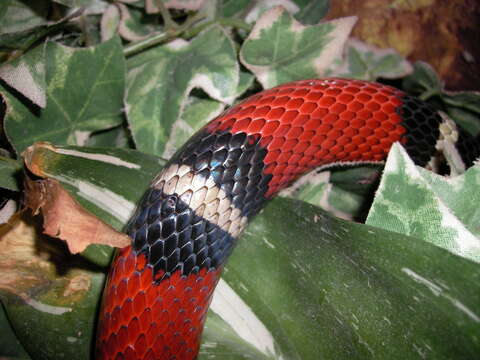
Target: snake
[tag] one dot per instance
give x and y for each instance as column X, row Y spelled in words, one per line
column 185, row 227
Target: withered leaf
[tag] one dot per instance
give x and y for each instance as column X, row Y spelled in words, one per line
column 64, row 218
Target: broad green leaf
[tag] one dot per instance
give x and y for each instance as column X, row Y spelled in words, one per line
column 118, row 137
column 280, row 49
column 134, row 24
column 51, row 325
column 25, row 36
column 160, row 80
column 367, row 62
column 423, row 81
column 343, row 192
column 26, row 74
column 415, row 202
column 10, row 174
column 84, row 94
column 313, row 12
column 304, row 285
column 16, row 15
column 230, row 8
column 10, row 347
column 330, row 289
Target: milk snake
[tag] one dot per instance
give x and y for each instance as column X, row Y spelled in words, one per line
column 159, row 288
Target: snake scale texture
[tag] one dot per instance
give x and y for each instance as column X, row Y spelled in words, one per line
column 159, row 288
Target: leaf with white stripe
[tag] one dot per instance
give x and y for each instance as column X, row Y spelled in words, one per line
column 84, row 94
column 161, row 79
column 280, row 49
column 443, row 211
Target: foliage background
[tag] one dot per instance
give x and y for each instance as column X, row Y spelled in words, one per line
column 117, row 86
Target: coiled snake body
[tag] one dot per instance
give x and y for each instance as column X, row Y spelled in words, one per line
column 188, row 222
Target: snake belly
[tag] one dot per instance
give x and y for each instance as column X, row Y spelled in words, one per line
column 159, row 288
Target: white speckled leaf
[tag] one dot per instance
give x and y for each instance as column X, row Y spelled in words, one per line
column 443, row 211
column 160, row 80
column 84, row 94
column 280, row 49
column 367, row 62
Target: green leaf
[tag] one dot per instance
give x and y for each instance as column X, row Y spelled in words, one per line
column 117, row 137
column 367, row 62
column 313, row 12
column 49, row 328
column 10, row 172
column 423, row 81
column 463, row 107
column 26, row 74
column 16, row 15
column 135, row 24
column 84, row 94
column 415, row 202
column 279, row 49
column 10, row 347
column 160, row 80
column 195, row 109
column 76, row 3
column 343, row 192
column 231, row 8
column 25, row 36
column 330, row 289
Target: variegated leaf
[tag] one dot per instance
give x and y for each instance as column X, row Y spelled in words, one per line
column 26, row 74
column 160, row 80
column 367, row 62
column 280, row 49
column 415, row 202
column 84, row 94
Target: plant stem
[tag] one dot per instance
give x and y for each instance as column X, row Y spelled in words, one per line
column 170, row 25
column 185, row 30
column 161, row 38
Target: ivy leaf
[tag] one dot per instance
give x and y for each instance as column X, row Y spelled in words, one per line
column 9, row 173
column 76, row 3
column 367, row 62
column 160, row 80
column 22, row 37
column 412, row 201
column 313, row 12
column 279, row 49
column 463, row 106
column 84, row 94
column 26, row 74
column 17, row 16
column 231, row 8
column 134, row 24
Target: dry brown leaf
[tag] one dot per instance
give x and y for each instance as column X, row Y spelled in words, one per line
column 64, row 218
